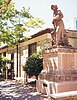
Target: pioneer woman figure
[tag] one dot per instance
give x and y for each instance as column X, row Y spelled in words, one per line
column 59, row 29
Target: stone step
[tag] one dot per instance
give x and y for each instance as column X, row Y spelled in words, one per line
column 71, row 95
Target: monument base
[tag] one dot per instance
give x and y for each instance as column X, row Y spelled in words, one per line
column 48, row 88
column 59, row 71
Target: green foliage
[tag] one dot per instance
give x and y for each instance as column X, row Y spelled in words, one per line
column 3, row 61
column 25, row 13
column 34, row 65
column 34, row 22
column 14, row 23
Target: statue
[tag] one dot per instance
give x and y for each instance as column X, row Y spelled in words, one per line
column 59, row 36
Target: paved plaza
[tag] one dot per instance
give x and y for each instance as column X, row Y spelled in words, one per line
column 11, row 90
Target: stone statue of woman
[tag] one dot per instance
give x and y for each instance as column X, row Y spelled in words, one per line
column 59, row 29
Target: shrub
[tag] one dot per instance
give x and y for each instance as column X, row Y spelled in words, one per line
column 34, row 65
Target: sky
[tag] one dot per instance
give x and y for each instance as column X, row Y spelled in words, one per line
column 42, row 9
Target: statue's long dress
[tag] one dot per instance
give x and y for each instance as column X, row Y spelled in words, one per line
column 60, row 31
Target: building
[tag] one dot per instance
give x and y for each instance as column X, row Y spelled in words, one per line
column 75, row 23
column 36, row 43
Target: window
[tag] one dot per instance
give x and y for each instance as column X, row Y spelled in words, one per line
column 32, row 48
column 76, row 24
column 4, row 54
column 0, row 54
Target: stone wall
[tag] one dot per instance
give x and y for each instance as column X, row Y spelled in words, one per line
column 65, row 98
column 59, row 71
column 72, row 95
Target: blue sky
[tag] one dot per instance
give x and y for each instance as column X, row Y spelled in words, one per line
column 42, row 9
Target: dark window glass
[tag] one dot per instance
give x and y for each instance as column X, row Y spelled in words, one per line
column 32, row 48
column 4, row 54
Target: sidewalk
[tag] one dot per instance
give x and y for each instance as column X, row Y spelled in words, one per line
column 11, row 90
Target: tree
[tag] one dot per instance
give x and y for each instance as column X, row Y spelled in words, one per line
column 14, row 23
column 4, row 4
column 34, row 65
column 3, row 61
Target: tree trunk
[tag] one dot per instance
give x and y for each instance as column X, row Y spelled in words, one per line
column 4, row 7
column 6, row 73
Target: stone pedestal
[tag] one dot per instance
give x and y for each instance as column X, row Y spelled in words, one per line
column 59, row 71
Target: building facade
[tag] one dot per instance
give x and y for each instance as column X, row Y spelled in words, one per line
column 37, row 43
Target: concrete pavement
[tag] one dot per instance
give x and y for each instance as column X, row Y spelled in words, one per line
column 11, row 90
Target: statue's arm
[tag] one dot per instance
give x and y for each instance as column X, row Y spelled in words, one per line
column 58, row 17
